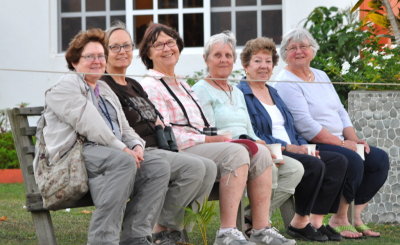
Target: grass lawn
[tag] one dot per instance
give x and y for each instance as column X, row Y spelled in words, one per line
column 71, row 227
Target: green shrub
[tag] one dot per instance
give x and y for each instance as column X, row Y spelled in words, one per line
column 8, row 155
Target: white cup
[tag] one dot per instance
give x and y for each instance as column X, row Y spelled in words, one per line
column 360, row 150
column 311, row 148
column 276, row 149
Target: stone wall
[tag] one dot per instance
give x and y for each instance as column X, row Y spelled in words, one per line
column 376, row 118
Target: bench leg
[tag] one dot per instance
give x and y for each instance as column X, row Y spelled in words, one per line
column 44, row 228
column 287, row 211
column 240, row 217
column 350, row 213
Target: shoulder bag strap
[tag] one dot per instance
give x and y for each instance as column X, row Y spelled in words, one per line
column 183, row 108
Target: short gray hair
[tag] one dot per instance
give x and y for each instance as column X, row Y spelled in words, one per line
column 297, row 35
column 118, row 25
column 225, row 37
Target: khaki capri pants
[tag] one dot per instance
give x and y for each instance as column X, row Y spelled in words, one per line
column 230, row 156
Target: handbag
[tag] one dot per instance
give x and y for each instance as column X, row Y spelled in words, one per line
column 63, row 182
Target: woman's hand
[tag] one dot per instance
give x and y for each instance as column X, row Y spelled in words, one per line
column 277, row 164
column 136, row 153
column 216, row 138
column 262, row 142
column 351, row 145
column 159, row 122
column 299, row 149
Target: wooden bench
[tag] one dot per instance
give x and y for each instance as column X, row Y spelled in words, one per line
column 23, row 139
column 24, row 143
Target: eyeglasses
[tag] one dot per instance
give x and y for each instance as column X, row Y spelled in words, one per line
column 92, row 57
column 117, row 48
column 301, row 47
column 160, row 45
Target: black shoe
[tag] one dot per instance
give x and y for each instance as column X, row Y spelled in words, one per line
column 248, row 226
column 308, row 233
column 330, row 233
column 176, row 237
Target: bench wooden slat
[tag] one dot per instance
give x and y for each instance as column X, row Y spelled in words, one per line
column 29, row 131
column 29, row 149
column 34, row 202
column 30, row 111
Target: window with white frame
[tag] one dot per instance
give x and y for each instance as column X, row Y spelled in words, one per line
column 195, row 20
column 247, row 18
column 76, row 15
column 185, row 16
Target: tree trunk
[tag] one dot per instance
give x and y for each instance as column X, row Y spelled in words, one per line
column 392, row 20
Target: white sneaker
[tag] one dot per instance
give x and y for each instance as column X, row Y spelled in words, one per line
column 270, row 236
column 231, row 237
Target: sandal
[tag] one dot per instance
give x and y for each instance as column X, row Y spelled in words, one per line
column 363, row 229
column 339, row 229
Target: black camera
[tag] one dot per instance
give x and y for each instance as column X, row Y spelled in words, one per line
column 246, row 137
column 210, row 131
column 166, row 138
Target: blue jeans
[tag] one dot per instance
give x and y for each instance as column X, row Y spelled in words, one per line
column 364, row 178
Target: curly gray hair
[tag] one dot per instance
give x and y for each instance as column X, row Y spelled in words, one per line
column 297, row 35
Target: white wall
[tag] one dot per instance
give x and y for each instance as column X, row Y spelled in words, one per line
column 29, row 42
column 25, row 44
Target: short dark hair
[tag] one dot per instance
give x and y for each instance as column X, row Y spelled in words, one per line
column 78, row 43
column 253, row 46
column 150, row 36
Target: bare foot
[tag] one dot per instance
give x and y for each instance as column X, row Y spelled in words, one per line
column 371, row 233
column 350, row 234
column 366, row 231
column 346, row 230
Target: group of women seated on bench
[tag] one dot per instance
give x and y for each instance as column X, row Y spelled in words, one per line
column 156, row 147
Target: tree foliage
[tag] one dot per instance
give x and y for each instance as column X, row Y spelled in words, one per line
column 351, row 52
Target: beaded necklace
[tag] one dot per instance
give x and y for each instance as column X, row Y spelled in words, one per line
column 230, row 91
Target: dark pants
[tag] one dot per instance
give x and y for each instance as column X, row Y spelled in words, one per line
column 364, row 178
column 320, row 188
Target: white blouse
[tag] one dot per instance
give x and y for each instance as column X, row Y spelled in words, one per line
column 278, row 123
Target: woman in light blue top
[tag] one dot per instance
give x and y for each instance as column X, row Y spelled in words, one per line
column 225, row 108
column 320, row 117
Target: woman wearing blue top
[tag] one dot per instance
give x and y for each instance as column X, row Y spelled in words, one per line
column 321, row 118
column 225, row 108
column 319, row 191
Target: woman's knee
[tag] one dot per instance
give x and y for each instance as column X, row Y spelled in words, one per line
column 260, row 162
column 293, row 166
column 201, row 168
column 122, row 161
column 210, row 169
column 235, row 158
column 314, row 165
column 335, row 161
column 377, row 160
